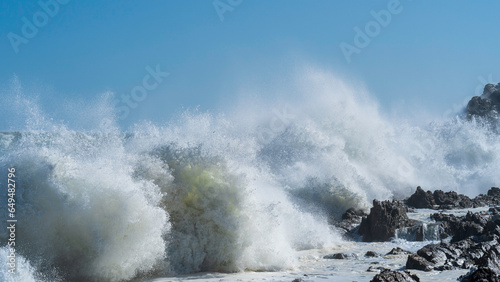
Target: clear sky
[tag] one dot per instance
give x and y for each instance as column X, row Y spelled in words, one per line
column 428, row 53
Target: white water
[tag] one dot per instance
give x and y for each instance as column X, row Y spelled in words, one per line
column 248, row 190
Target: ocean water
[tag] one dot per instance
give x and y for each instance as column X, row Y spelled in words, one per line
column 245, row 194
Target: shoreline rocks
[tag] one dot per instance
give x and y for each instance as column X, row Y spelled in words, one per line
column 388, row 275
column 383, row 221
column 472, row 241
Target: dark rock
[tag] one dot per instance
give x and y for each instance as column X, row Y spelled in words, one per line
column 482, row 274
column 421, row 199
column 298, row 280
column 350, row 222
column 492, row 198
column 451, row 200
column 473, row 224
column 398, row 251
column 336, row 256
column 353, row 213
column 376, row 269
column 384, row 218
column 491, row 259
column 419, row 263
column 494, row 192
column 465, row 230
column 395, row 276
column 434, row 253
column 449, row 223
column 371, row 254
column 487, row 106
column 420, row 233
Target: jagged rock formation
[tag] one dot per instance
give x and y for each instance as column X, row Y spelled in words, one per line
column 388, row 275
column 384, row 218
column 451, row 200
column 487, row 105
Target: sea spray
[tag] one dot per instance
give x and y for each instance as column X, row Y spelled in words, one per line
column 205, row 191
column 78, row 207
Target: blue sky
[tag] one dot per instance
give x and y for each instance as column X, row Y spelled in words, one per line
column 430, row 54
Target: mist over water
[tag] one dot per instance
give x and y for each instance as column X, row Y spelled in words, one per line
column 242, row 190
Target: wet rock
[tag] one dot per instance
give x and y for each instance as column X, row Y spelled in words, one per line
column 371, row 254
column 460, row 228
column 395, row 276
column 494, row 192
column 421, row 199
column 466, row 229
column 487, row 105
column 420, row 233
column 445, row 200
column 353, row 214
column 398, row 251
column 492, row 198
column 491, row 259
column 434, row 253
column 376, row 269
column 336, row 256
column 451, row 200
column 482, row 274
column 419, row 263
column 384, row 218
column 350, row 221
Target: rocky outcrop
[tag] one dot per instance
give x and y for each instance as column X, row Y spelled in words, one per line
column 488, row 267
column 475, row 243
column 460, row 228
column 492, row 198
column 384, row 218
column 482, row 274
column 451, row 200
column 487, row 105
column 397, row 251
column 441, row 200
column 421, row 199
column 371, row 254
column 336, row 256
column 395, row 276
column 419, row 263
column 351, row 220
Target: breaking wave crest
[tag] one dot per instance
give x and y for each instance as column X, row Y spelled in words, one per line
column 240, row 191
